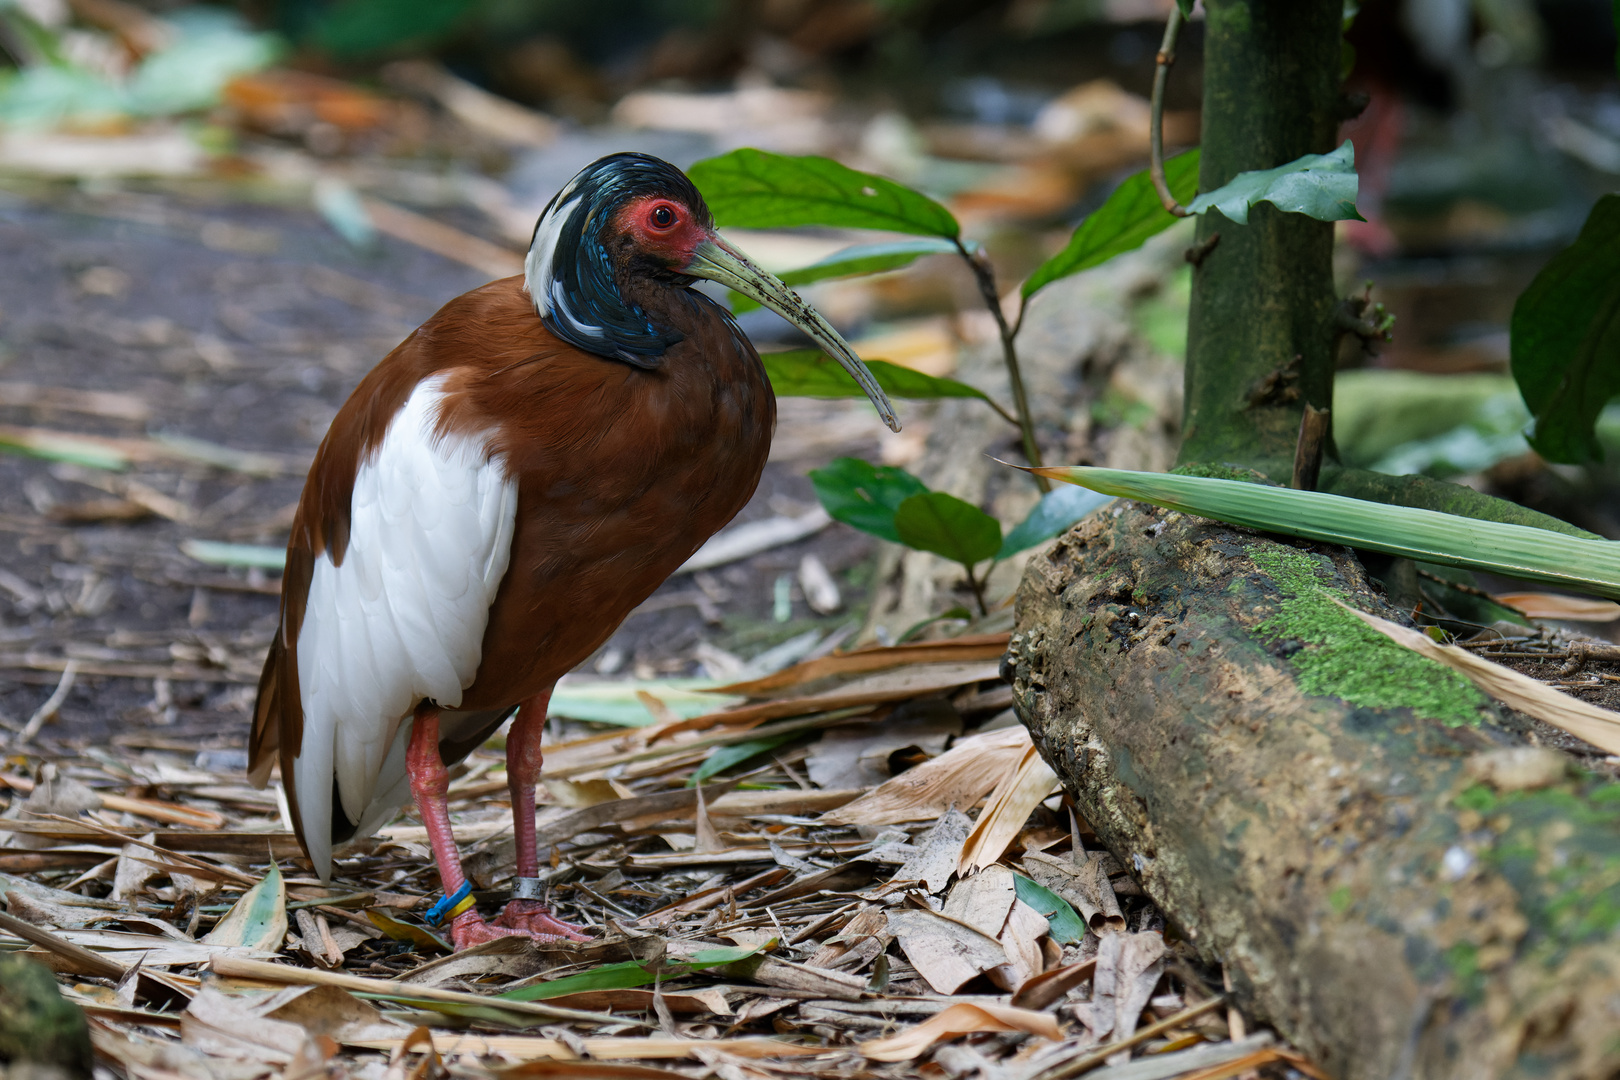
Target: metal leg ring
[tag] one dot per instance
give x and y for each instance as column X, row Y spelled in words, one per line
column 528, row 888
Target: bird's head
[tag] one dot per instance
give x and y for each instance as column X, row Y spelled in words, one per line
column 632, row 214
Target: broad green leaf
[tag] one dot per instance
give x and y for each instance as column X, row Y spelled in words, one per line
column 1566, row 339
column 1322, row 186
column 414, row 933
column 722, row 758
column 855, row 261
column 258, row 920
column 1517, row 551
column 219, row 553
column 812, row 373
column 864, row 495
column 754, row 189
column 1125, row 222
column 628, row 974
column 1057, row 510
column 1062, row 921
column 945, row 525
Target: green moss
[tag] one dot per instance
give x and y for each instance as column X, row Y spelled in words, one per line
column 1341, row 899
column 1559, row 848
column 1343, row 657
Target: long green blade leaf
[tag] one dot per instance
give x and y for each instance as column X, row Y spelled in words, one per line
column 1130, row 216
column 753, row 189
column 812, row 373
column 855, row 261
column 722, row 758
column 628, row 974
column 1512, row 550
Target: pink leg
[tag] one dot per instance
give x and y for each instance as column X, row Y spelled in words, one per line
column 430, row 783
column 523, row 761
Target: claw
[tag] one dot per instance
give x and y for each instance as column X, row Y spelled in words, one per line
column 535, row 919
column 469, row 928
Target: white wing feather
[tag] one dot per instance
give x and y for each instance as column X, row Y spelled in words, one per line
column 402, row 619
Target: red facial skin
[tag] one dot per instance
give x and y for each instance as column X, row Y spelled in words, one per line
column 674, row 240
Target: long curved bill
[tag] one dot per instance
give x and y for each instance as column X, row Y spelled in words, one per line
column 717, row 260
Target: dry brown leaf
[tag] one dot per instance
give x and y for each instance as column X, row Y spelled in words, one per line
column 902, row 684
column 935, row 860
column 530, row 1048
column 858, row 757
column 1010, row 805
column 960, row 1019
column 1600, row 727
column 981, row 647
column 959, row 777
column 945, row 951
column 1540, row 605
column 1048, row 987
column 1021, row 940
column 983, row 900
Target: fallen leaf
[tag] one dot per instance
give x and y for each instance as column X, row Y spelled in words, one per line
column 258, row 920
column 945, row 952
column 1010, row 805
column 1539, row 605
column 960, row 777
column 960, row 1019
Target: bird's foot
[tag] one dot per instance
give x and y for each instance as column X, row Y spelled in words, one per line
column 535, row 919
column 469, row 929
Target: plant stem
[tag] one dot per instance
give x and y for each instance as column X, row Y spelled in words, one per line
column 985, row 275
column 978, row 590
column 1161, row 75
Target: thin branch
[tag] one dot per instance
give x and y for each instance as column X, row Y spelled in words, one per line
column 985, row 275
column 45, row 712
column 1161, row 75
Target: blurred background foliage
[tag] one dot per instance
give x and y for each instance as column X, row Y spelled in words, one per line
column 1484, row 131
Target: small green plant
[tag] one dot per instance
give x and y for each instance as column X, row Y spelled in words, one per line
column 754, row 189
column 889, row 502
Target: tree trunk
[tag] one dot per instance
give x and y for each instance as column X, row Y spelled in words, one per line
column 1260, row 329
column 1277, row 777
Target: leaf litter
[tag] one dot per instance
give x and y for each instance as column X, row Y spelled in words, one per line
column 858, row 865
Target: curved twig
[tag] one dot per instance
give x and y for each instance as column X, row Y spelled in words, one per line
column 1161, row 75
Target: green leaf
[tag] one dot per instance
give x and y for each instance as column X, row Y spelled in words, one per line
column 627, row 974
column 1057, row 510
column 1516, row 551
column 1062, row 921
column 1322, row 186
column 864, row 495
column 812, row 373
column 722, row 758
column 1186, row 7
column 855, row 261
column 219, row 553
column 1566, row 339
column 945, row 525
column 53, row 446
column 258, row 920
column 754, row 189
column 414, row 933
column 609, row 702
column 1131, row 215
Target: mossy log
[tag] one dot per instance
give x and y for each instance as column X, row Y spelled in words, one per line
column 1303, row 800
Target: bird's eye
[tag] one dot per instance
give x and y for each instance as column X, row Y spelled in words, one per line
column 662, row 217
